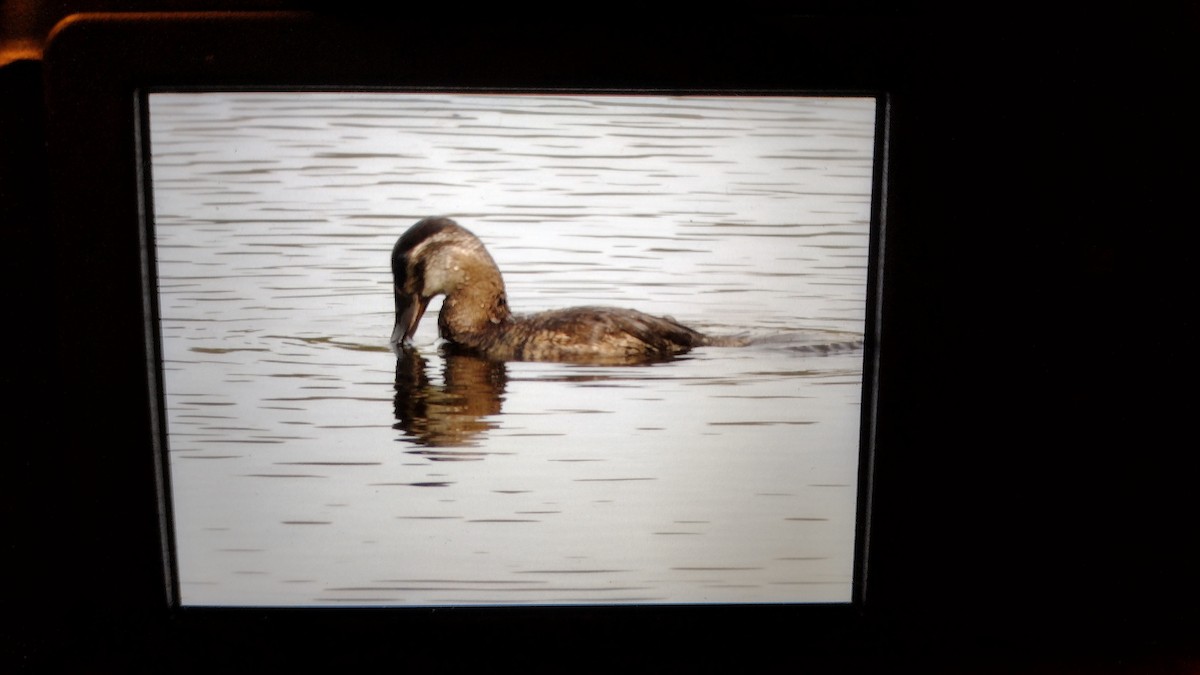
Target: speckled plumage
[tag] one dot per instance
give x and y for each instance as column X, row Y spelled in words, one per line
column 437, row 256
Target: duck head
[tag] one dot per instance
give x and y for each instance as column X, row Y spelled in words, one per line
column 436, row 256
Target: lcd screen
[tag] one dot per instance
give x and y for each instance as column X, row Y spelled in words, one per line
column 310, row 462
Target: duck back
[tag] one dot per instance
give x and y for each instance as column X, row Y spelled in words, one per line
column 586, row 334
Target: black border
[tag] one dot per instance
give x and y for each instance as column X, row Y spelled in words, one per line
column 160, row 444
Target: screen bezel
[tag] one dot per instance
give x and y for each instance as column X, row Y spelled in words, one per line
column 96, row 118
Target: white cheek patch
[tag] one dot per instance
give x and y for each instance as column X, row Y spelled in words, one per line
column 440, row 269
column 438, row 278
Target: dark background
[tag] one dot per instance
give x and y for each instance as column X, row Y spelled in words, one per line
column 1034, row 507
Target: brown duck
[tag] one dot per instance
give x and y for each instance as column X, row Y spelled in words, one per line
column 436, row 256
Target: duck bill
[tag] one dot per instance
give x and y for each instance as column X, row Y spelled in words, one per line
column 409, row 310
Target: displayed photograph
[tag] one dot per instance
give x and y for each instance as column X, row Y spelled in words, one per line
column 449, row 349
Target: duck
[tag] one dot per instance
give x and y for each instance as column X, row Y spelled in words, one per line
column 437, row 256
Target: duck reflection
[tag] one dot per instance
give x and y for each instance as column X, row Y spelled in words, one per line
column 454, row 413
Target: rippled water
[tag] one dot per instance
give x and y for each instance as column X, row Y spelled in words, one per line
column 311, row 465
